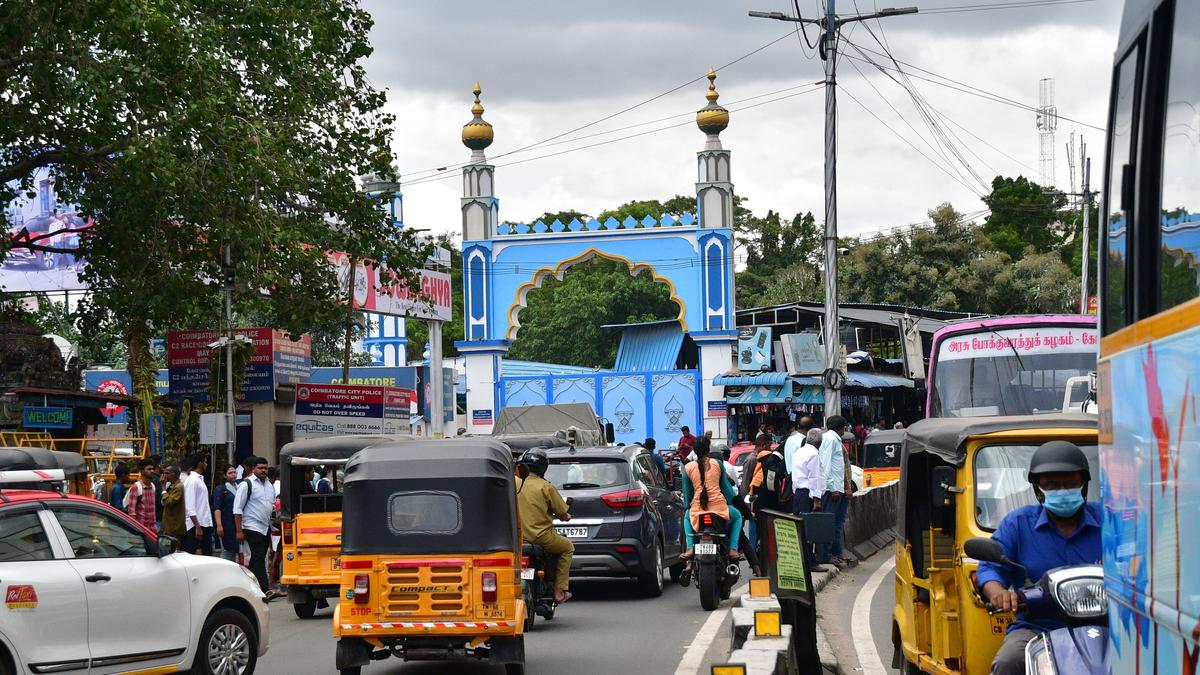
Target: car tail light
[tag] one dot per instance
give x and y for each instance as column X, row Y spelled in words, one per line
column 629, row 499
column 489, row 586
column 286, row 531
column 362, row 589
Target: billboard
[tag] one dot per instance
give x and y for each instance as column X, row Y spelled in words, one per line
column 39, row 217
column 376, row 290
column 754, row 348
column 339, row 409
column 276, row 360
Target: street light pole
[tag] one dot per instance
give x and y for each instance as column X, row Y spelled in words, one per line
column 831, row 25
column 231, row 415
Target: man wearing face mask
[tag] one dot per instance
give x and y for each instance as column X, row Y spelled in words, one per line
column 1061, row 529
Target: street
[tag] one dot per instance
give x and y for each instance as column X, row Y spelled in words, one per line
column 858, row 601
column 606, row 624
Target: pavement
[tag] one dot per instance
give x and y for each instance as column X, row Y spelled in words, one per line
column 606, row 625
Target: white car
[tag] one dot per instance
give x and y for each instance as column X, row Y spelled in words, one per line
column 88, row 590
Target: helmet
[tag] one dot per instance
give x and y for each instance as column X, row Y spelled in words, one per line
column 536, row 460
column 1056, row 456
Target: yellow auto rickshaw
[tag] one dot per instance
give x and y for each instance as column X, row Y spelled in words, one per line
column 959, row 477
column 431, row 555
column 310, row 524
column 881, row 456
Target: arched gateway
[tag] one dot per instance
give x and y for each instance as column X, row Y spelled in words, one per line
column 691, row 255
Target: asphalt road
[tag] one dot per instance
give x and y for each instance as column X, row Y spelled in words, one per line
column 859, row 601
column 606, row 628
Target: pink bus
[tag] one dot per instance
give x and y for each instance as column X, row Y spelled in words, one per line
column 1011, row 365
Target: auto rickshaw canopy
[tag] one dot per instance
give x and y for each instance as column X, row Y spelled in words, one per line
column 874, row 455
column 296, row 456
column 430, row 497
column 946, row 437
column 25, row 459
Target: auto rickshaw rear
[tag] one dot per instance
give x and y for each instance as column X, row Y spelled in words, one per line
column 431, row 556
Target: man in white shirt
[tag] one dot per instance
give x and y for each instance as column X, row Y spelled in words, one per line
column 197, row 510
column 253, row 506
column 808, row 483
column 834, row 468
column 793, row 442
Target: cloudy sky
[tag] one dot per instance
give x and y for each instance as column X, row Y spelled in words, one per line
column 549, row 66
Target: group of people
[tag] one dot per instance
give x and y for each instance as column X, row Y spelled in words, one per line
column 233, row 519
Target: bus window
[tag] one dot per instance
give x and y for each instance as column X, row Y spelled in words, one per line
column 1117, row 236
column 1179, row 276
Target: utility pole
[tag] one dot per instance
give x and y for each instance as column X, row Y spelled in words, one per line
column 1087, row 212
column 830, row 26
column 230, row 411
column 349, row 337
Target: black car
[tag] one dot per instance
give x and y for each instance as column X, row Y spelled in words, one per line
column 626, row 521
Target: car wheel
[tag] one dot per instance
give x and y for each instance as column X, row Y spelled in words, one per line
column 227, row 646
column 306, row 609
column 651, row 583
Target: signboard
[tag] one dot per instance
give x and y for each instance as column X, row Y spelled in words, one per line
column 789, row 561
column 276, row 360
column 481, row 417
column 339, row 409
column 914, row 349
column 716, row 409
column 754, row 348
column 47, row 417
column 377, row 289
column 1019, row 342
column 374, row 376
column 157, row 440
column 41, row 219
column 803, row 354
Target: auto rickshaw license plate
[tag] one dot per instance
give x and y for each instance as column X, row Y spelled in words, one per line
column 337, row 563
column 706, row 549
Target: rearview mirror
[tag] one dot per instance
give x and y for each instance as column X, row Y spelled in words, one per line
column 166, row 545
column 984, row 549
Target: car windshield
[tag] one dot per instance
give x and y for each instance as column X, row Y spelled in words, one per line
column 1002, row 484
column 582, row 474
column 1011, row 372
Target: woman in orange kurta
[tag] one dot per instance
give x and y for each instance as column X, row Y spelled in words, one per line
column 708, row 490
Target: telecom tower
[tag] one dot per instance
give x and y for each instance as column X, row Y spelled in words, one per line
column 1047, row 122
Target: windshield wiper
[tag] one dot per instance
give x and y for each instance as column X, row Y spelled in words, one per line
column 580, row 486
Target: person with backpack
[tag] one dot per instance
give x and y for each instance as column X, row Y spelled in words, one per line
column 253, row 506
column 140, row 499
column 771, row 487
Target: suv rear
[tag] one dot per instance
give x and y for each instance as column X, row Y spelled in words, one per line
column 626, row 521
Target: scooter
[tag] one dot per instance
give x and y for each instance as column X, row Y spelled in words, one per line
column 715, row 574
column 1073, row 595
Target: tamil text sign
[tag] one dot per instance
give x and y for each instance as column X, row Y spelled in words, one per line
column 338, row 409
column 276, row 360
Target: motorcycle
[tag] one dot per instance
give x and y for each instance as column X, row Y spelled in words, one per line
column 712, row 570
column 1073, row 595
column 537, row 577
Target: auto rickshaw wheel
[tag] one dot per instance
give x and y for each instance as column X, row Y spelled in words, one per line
column 306, row 609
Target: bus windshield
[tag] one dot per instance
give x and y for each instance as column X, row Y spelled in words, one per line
column 1009, row 372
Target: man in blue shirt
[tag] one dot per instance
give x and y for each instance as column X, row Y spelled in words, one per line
column 1061, row 529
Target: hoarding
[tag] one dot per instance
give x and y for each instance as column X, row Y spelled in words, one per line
column 276, row 360
column 376, row 289
column 118, row 382
column 754, row 348
column 40, row 218
column 337, row 409
column 47, row 417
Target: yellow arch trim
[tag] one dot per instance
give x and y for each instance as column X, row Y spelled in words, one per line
column 542, row 274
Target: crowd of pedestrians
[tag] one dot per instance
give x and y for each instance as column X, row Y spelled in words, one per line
column 235, row 519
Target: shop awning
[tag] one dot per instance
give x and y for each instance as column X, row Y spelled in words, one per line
column 876, row 380
column 738, row 379
column 759, row 394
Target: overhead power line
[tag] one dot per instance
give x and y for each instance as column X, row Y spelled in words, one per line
column 993, row 6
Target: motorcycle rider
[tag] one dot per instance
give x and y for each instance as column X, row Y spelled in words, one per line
column 539, row 504
column 707, row 489
column 1061, row 529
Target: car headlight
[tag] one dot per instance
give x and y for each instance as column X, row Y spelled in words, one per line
column 251, row 575
column 1082, row 598
column 1038, row 659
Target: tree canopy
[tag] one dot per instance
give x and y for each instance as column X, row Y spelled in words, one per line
column 188, row 129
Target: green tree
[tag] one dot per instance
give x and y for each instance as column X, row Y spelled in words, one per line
column 782, row 260
column 1024, row 216
column 562, row 320
column 191, row 129
column 565, row 217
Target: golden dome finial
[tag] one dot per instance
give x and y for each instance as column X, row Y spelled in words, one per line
column 477, row 134
column 712, row 118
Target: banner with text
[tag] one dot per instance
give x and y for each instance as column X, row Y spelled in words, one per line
column 276, row 360
column 339, row 409
column 377, row 289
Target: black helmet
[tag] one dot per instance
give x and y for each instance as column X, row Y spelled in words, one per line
column 1058, row 456
column 536, row 460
